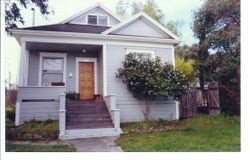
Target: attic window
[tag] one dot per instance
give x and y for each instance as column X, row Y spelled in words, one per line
column 92, row 19
column 98, row 20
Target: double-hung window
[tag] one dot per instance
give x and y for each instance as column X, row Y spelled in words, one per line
column 141, row 53
column 99, row 20
column 52, row 70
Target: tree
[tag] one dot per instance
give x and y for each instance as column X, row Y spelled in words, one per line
column 13, row 14
column 121, row 8
column 175, row 26
column 148, row 79
column 185, row 67
column 186, row 52
column 217, row 27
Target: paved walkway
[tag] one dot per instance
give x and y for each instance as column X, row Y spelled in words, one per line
column 100, row 144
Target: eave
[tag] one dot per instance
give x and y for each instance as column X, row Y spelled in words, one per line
column 19, row 33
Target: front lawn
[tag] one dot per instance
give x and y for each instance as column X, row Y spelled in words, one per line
column 202, row 133
column 39, row 148
column 33, row 130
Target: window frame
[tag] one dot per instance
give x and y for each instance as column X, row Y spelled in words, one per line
column 141, row 51
column 97, row 17
column 52, row 55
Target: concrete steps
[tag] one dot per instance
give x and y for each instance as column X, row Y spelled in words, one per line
column 87, row 115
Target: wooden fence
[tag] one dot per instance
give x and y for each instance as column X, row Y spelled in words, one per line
column 10, row 97
column 203, row 101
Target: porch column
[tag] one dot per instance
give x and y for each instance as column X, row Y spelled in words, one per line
column 23, row 64
column 62, row 115
column 104, row 59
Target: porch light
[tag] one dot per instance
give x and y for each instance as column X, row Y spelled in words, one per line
column 83, row 50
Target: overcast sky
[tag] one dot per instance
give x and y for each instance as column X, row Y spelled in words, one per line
column 173, row 10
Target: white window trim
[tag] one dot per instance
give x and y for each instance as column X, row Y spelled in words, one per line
column 82, row 59
column 151, row 52
column 52, row 55
column 87, row 19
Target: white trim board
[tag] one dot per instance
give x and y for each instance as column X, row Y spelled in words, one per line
column 83, row 59
column 52, row 54
column 28, row 35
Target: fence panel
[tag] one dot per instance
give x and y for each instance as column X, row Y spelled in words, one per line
column 10, row 97
column 188, row 107
column 213, row 98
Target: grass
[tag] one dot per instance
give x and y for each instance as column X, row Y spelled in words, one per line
column 33, row 130
column 39, row 148
column 202, row 133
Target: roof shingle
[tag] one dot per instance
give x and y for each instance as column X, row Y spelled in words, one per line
column 70, row 28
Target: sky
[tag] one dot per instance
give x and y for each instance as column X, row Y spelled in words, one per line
column 173, row 10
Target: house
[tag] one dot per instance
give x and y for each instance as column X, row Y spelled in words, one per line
column 82, row 55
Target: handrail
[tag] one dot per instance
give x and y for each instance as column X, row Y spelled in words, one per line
column 110, row 101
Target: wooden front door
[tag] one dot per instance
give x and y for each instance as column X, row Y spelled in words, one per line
column 86, row 80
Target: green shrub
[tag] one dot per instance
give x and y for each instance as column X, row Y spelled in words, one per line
column 34, row 130
column 10, row 113
column 73, row 96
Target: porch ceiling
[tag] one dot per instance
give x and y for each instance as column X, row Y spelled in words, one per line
column 59, row 47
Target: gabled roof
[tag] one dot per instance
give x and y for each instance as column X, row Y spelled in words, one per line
column 69, row 28
column 134, row 18
column 89, row 9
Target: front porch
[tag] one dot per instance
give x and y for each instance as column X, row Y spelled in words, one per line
column 50, row 70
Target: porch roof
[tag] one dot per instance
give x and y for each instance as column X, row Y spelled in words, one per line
column 69, row 28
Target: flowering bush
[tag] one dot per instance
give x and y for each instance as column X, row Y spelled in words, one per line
column 149, row 79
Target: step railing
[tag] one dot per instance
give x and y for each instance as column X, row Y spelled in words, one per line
column 110, row 101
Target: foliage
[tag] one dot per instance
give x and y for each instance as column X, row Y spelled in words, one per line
column 10, row 113
column 149, row 79
column 152, row 126
column 217, row 26
column 13, row 11
column 227, row 72
column 186, row 52
column 229, row 100
column 185, row 67
column 39, row 148
column 73, row 96
column 121, row 8
column 175, row 26
column 202, row 133
column 34, row 130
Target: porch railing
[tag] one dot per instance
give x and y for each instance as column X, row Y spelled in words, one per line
column 36, row 93
column 110, row 101
column 49, row 97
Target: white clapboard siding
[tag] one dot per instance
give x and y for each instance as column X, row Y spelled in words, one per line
column 38, row 111
column 40, row 103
